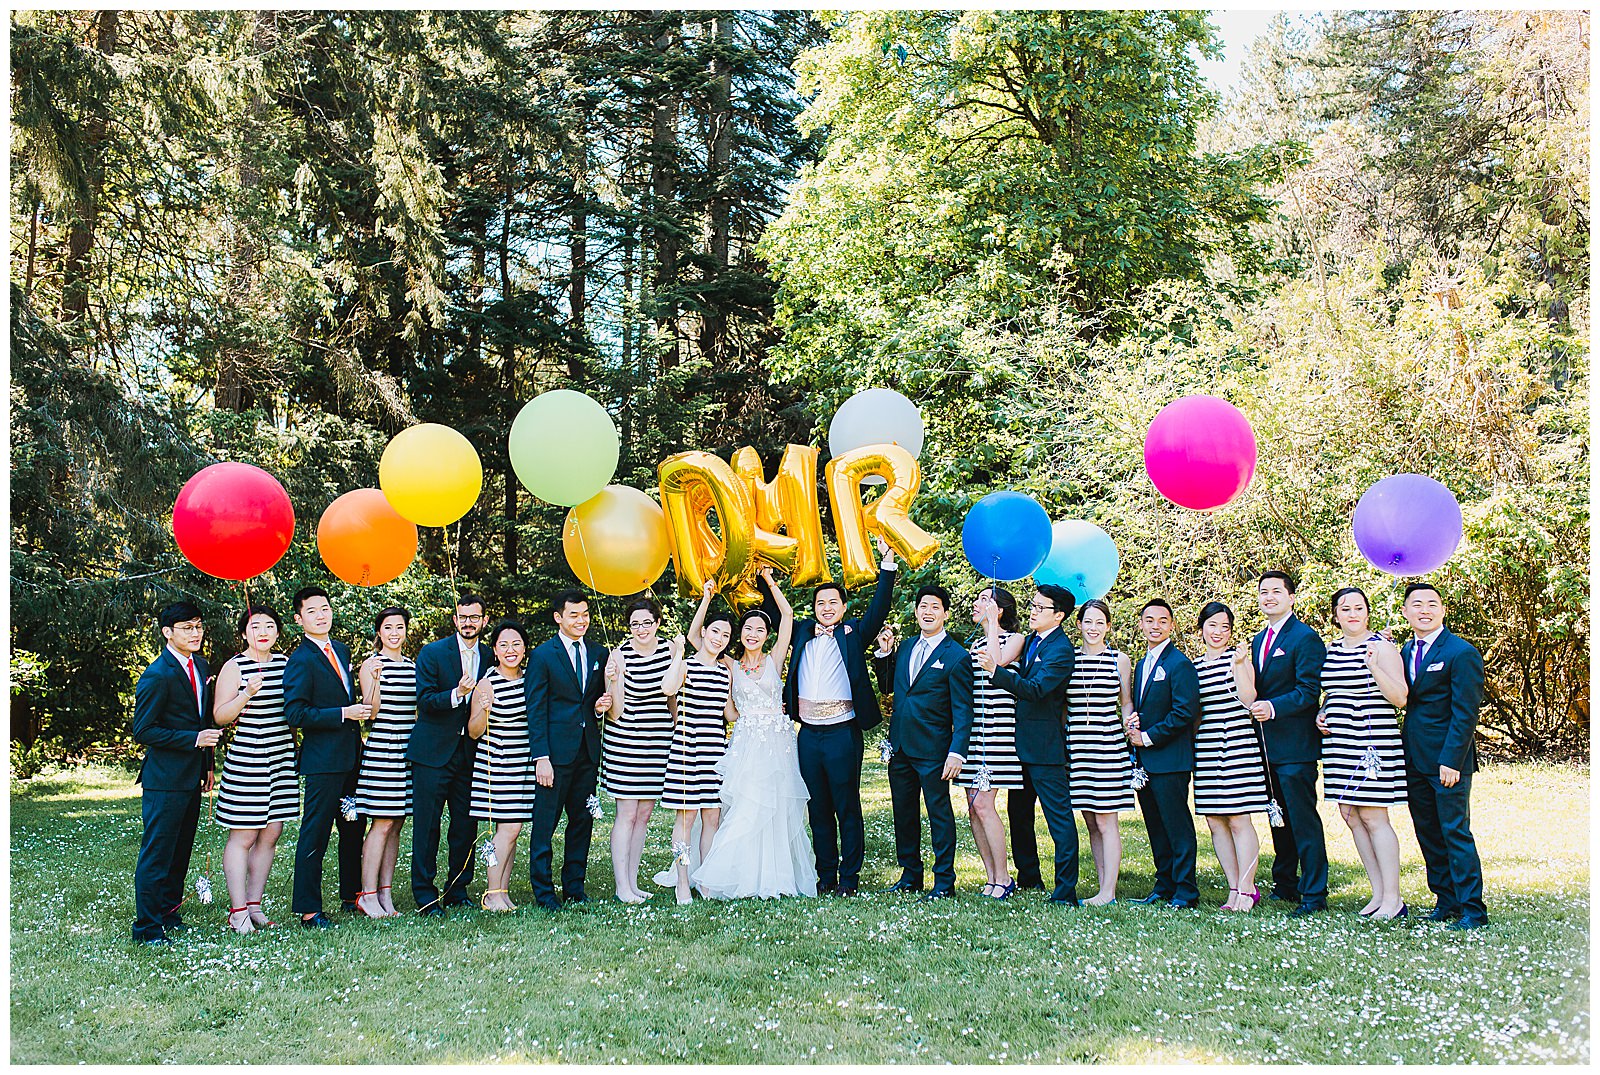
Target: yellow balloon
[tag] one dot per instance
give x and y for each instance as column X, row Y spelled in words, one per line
column 616, row 541
column 692, row 485
column 430, row 474
column 887, row 517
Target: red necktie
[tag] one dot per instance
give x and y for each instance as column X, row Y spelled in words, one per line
column 194, row 686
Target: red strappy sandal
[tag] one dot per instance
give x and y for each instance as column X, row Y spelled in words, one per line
column 265, row 923
column 245, row 910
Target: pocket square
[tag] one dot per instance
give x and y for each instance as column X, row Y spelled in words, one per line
column 1161, row 673
column 940, row 664
column 1436, row 666
column 1277, row 653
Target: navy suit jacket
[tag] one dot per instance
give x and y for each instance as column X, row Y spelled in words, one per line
column 1441, row 722
column 561, row 717
column 441, row 725
column 1040, row 688
column 1293, row 684
column 313, row 698
column 166, row 719
column 1169, row 709
column 854, row 637
column 932, row 716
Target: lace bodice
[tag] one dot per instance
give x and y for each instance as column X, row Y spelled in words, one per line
column 758, row 694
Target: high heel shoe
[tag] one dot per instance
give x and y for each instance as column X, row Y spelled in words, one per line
column 1006, row 890
column 264, row 922
column 388, row 888
column 243, row 927
column 1401, row 913
column 1227, row 904
column 1255, row 901
column 360, row 910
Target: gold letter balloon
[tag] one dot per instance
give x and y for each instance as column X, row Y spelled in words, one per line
column 887, row 517
column 693, row 484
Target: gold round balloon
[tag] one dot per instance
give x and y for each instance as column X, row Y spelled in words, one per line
column 616, row 541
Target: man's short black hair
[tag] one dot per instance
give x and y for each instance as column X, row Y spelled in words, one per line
column 1288, row 579
column 306, row 593
column 470, row 598
column 572, row 596
column 1415, row 586
column 179, row 612
column 1060, row 597
column 844, row 594
column 933, row 589
column 1155, row 602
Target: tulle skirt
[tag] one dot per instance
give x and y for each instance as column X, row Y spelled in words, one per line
column 761, row 847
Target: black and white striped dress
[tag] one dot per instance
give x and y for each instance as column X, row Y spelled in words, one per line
column 502, row 773
column 1359, row 716
column 635, row 745
column 1229, row 776
column 1099, row 766
column 258, row 783
column 699, row 739
column 383, row 787
column 994, row 728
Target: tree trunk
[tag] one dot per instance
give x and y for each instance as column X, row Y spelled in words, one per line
column 508, row 370
column 714, row 319
column 80, row 236
column 663, row 189
column 578, row 233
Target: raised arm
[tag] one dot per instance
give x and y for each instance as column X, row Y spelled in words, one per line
column 371, row 681
column 882, row 596
column 785, row 618
column 230, row 696
column 1244, row 674
column 699, row 621
column 678, row 671
column 482, row 705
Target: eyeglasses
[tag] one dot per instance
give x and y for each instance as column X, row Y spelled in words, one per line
column 469, row 619
column 642, row 623
column 1041, row 606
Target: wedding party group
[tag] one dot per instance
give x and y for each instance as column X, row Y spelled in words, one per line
column 750, row 729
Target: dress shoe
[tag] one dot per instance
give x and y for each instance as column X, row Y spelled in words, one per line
column 433, row 910
column 317, row 921
column 1187, row 905
column 1439, row 914
column 1282, row 897
column 159, row 940
column 177, row 925
column 906, row 884
column 549, row 903
column 349, row 906
column 1468, row 923
column 1153, row 898
column 1307, row 907
column 939, row 892
column 577, row 898
column 827, row 888
column 1064, row 901
column 1026, row 883
column 457, row 901
column 845, row 892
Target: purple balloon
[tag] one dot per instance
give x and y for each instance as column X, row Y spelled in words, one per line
column 1407, row 525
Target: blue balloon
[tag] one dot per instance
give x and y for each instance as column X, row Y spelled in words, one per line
column 1083, row 558
column 1006, row 536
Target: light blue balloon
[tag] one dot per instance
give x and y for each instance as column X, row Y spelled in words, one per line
column 1083, row 558
column 1006, row 536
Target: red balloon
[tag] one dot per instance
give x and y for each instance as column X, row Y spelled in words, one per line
column 233, row 521
column 1200, row 452
column 364, row 541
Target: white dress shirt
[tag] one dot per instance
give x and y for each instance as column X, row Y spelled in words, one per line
column 1151, row 659
column 469, row 663
column 199, row 682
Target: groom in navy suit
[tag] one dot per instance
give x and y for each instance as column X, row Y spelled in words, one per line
column 931, row 680
column 323, row 699
column 172, row 719
column 441, row 754
column 1288, row 657
column 829, row 693
column 1445, row 676
column 1041, row 692
column 564, row 688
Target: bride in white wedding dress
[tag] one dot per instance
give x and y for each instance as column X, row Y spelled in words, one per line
column 761, row 847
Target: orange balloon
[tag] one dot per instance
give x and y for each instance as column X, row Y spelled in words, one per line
column 364, row 541
column 616, row 541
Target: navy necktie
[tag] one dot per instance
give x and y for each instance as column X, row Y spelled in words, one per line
column 1033, row 649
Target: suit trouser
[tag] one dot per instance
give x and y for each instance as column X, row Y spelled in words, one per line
column 170, row 821
column 1443, row 822
column 1024, row 840
column 1299, row 850
column 909, row 779
column 1049, row 782
column 1164, row 801
column 432, row 786
column 317, row 820
column 574, row 783
column 830, row 764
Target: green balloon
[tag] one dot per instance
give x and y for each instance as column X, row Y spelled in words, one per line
column 564, row 447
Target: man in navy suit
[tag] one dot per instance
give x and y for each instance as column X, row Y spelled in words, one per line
column 1288, row 657
column 830, row 694
column 1445, row 676
column 441, row 754
column 1166, row 708
column 1041, row 693
column 565, row 688
column 931, row 680
column 172, row 718
column 322, row 698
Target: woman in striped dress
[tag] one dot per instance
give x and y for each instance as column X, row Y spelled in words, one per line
column 383, row 786
column 259, row 789
column 502, row 773
column 636, row 738
column 699, row 738
column 1363, row 766
column 1099, row 767
column 1230, row 777
column 992, row 764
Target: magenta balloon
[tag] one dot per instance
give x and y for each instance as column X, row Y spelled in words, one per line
column 233, row 520
column 1200, row 452
column 1407, row 525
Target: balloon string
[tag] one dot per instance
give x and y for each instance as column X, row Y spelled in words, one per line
column 449, row 561
column 588, row 569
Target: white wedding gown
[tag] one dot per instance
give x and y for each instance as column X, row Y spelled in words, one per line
column 761, row 847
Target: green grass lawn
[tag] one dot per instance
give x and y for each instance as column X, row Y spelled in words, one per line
column 880, row 979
